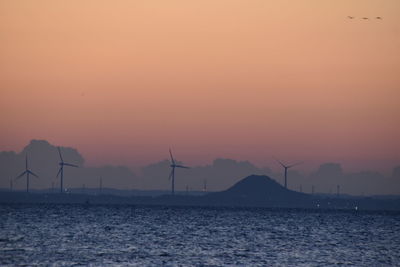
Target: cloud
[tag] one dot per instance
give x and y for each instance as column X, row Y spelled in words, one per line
column 396, row 172
column 219, row 175
column 43, row 160
column 330, row 175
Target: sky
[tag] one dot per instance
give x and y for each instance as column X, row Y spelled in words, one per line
column 123, row 81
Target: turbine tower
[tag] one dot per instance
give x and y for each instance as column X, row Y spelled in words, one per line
column 286, row 167
column 61, row 170
column 27, row 172
column 172, row 174
column 100, row 185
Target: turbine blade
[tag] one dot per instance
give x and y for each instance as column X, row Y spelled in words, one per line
column 183, row 167
column 172, row 158
column 26, row 161
column 59, row 152
column 33, row 174
column 298, row 163
column 277, row 160
column 22, row 174
column 71, row 165
column 59, row 171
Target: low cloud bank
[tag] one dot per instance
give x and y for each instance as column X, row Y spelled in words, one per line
column 219, row 175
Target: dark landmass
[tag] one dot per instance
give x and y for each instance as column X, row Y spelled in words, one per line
column 108, row 191
column 218, row 175
column 252, row 191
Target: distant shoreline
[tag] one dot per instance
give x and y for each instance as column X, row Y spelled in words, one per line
column 252, row 191
column 326, row 204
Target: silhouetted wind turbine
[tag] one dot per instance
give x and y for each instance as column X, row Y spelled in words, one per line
column 61, row 170
column 27, row 172
column 286, row 167
column 172, row 174
column 100, row 185
column 205, row 185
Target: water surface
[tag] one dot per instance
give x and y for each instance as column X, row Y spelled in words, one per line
column 65, row 235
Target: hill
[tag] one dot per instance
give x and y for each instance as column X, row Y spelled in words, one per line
column 252, row 191
column 259, row 190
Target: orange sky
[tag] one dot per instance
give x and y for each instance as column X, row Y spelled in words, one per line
column 123, row 80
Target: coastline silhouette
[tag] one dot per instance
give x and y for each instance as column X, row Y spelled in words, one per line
column 253, row 190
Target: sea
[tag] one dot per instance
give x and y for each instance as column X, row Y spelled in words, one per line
column 107, row 235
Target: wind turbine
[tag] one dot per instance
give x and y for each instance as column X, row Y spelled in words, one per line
column 100, row 185
column 172, row 174
column 286, row 167
column 61, row 170
column 27, row 172
column 205, row 185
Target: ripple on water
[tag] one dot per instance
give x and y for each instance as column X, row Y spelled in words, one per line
column 74, row 235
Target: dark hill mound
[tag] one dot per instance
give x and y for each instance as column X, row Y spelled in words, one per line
column 256, row 185
column 259, row 190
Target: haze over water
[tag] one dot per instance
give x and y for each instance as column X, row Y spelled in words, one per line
column 66, row 235
column 227, row 85
column 123, row 81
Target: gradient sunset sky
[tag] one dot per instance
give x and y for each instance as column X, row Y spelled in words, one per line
column 124, row 80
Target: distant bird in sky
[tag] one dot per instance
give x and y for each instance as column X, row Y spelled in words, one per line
column 61, row 170
column 364, row 18
column 286, row 167
column 172, row 174
column 27, row 172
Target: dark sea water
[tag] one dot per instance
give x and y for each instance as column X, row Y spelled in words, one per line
column 79, row 235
